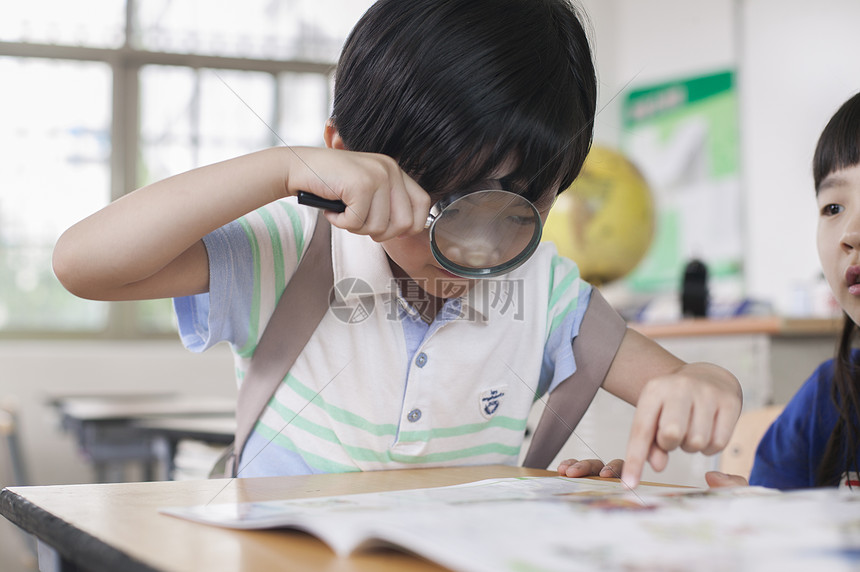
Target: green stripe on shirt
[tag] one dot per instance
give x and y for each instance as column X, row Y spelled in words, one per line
column 338, row 414
column 316, row 461
column 500, row 421
column 559, row 291
column 277, row 250
column 354, row 420
column 324, row 464
column 247, row 350
column 485, row 449
column 298, row 229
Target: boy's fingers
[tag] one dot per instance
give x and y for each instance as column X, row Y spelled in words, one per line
column 400, row 220
column 674, row 422
column 642, row 436
column 379, row 216
column 724, row 426
column 586, row 468
column 701, row 429
column 419, row 203
column 658, row 458
column 612, row 469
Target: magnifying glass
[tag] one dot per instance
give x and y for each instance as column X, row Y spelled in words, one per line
column 478, row 234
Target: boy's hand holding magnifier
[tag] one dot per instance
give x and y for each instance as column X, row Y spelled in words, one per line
column 473, row 234
column 378, row 198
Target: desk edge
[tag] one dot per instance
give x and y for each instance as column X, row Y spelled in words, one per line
column 68, row 540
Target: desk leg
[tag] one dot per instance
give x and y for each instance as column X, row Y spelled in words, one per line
column 164, row 449
column 109, row 471
column 51, row 561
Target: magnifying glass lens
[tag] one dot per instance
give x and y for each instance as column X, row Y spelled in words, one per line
column 485, row 233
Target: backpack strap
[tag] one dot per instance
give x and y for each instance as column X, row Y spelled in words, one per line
column 594, row 349
column 299, row 311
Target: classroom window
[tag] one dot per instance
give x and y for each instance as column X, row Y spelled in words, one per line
column 103, row 96
column 191, row 117
column 55, row 144
column 91, row 23
column 311, row 30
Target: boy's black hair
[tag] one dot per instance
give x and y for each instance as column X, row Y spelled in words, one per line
column 839, row 148
column 454, row 89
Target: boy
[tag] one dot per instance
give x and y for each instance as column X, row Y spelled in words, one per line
column 432, row 97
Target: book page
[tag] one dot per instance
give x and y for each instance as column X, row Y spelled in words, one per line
column 557, row 523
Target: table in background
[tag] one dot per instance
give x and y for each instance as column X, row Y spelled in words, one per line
column 168, row 434
column 118, row 526
column 105, row 426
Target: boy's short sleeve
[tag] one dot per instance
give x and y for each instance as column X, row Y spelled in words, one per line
column 250, row 262
column 572, row 298
column 222, row 313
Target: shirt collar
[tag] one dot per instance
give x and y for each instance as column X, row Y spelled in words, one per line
column 357, row 257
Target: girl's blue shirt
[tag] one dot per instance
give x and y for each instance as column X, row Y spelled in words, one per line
column 791, row 450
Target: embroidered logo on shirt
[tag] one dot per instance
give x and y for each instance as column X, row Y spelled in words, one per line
column 491, row 399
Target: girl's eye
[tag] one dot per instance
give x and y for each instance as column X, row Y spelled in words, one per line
column 832, row 209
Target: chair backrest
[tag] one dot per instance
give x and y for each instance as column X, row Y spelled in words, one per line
column 737, row 458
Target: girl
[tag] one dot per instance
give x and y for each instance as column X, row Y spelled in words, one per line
column 815, row 442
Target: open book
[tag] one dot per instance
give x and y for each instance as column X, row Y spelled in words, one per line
column 556, row 523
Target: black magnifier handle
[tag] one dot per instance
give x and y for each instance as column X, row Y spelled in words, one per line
column 336, row 206
column 310, row 200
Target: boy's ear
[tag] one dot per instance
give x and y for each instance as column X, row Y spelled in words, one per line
column 332, row 137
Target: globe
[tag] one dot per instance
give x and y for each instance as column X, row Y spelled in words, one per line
column 605, row 220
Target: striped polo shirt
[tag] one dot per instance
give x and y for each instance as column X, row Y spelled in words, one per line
column 373, row 389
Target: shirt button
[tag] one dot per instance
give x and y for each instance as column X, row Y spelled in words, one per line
column 414, row 415
column 421, row 359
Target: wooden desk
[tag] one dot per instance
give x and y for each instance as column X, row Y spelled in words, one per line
column 119, row 527
column 115, row 527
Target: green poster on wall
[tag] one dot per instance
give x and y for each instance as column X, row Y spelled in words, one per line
column 683, row 136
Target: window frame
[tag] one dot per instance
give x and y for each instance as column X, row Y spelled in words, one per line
column 125, row 63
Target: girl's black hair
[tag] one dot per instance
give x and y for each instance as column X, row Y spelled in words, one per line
column 454, row 89
column 839, row 148
column 839, row 144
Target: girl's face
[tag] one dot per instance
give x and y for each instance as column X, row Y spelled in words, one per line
column 839, row 236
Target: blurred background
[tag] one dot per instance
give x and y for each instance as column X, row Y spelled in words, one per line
column 709, row 114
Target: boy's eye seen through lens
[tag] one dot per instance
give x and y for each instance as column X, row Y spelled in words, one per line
column 520, row 220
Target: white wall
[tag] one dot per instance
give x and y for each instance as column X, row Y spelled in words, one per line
column 640, row 43
column 797, row 61
column 799, row 64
